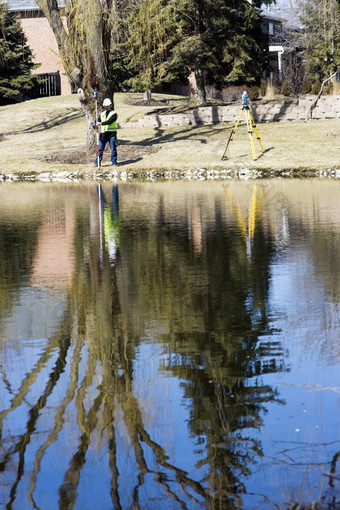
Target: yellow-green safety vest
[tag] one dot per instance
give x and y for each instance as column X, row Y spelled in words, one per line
column 108, row 127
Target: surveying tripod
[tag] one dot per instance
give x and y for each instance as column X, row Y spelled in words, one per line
column 250, row 125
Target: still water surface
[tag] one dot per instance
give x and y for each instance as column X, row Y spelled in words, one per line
column 169, row 345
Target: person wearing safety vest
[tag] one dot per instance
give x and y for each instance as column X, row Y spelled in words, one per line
column 108, row 131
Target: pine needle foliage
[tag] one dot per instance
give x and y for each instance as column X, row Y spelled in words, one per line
column 16, row 59
column 221, row 37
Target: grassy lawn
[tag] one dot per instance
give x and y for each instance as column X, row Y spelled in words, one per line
column 32, row 132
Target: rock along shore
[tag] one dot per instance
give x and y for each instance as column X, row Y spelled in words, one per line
column 153, row 175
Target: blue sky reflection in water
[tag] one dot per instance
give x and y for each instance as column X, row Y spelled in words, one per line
column 169, row 345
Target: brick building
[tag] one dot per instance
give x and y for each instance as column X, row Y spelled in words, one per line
column 41, row 40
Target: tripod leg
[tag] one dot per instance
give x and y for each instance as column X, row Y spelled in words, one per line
column 231, row 137
column 256, row 131
column 250, row 133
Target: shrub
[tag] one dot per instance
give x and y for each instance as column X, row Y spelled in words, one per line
column 336, row 88
column 316, row 88
column 271, row 91
column 306, row 87
column 253, row 93
column 285, row 90
column 263, row 87
column 329, row 89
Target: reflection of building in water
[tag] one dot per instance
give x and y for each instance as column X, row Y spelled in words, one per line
column 196, row 228
column 53, row 264
column 39, row 301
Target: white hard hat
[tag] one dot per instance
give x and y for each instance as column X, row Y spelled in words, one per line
column 107, row 102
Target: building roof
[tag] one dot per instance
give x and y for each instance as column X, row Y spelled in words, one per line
column 286, row 11
column 266, row 15
column 27, row 5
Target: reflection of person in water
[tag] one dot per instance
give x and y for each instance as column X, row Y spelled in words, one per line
column 110, row 221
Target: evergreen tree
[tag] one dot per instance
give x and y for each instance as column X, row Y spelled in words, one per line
column 217, row 40
column 320, row 38
column 16, row 59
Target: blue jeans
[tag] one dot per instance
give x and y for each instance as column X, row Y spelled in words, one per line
column 103, row 139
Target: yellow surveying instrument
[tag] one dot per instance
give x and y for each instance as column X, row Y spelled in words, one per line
column 250, row 125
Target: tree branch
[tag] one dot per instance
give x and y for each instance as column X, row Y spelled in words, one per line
column 313, row 105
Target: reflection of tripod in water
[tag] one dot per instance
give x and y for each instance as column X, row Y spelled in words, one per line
column 250, row 125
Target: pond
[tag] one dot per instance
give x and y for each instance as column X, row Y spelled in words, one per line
column 169, row 345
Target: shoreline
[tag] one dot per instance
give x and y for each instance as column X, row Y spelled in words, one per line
column 41, row 140
column 169, row 175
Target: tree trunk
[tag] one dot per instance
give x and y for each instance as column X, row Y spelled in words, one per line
column 85, row 64
column 147, row 96
column 200, row 87
column 313, row 105
column 90, row 134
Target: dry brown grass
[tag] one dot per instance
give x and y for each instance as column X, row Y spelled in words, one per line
column 34, row 131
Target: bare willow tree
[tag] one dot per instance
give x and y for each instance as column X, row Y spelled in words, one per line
column 152, row 32
column 86, row 34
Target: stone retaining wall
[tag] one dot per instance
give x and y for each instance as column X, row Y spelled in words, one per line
column 328, row 107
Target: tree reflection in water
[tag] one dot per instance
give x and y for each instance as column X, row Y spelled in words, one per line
column 202, row 290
